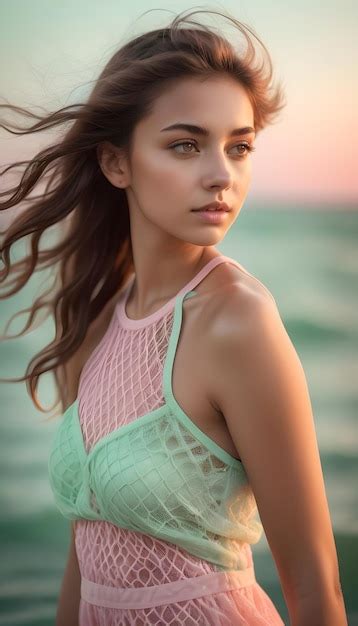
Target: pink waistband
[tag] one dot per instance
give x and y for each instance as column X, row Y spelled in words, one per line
column 183, row 589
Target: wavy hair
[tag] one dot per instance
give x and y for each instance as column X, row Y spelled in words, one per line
column 91, row 258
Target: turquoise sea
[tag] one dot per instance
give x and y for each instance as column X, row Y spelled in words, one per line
column 309, row 261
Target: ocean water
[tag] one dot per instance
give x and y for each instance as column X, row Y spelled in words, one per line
column 309, row 261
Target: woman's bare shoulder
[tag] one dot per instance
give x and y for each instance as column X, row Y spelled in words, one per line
column 229, row 310
column 238, row 296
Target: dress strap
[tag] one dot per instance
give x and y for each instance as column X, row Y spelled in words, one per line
column 187, row 291
column 188, row 288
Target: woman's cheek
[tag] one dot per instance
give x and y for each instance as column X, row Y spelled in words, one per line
column 170, row 172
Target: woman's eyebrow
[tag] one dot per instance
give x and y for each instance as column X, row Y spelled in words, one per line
column 199, row 130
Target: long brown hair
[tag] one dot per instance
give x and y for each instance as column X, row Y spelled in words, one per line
column 93, row 257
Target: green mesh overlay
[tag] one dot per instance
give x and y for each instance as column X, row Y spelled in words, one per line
column 159, row 475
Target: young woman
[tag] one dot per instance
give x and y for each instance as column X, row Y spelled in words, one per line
column 186, row 408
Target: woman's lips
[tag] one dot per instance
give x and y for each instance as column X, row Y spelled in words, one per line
column 211, row 217
column 217, row 206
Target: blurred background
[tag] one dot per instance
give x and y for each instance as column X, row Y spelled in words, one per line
column 297, row 232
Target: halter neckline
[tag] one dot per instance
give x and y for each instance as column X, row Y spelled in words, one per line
column 129, row 322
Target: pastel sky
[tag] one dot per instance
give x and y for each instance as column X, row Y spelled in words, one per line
column 49, row 49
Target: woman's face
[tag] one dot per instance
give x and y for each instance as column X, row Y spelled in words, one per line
column 165, row 181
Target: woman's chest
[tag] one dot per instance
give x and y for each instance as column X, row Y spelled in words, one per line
column 124, row 377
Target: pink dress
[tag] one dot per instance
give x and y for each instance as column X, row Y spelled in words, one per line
column 130, row 577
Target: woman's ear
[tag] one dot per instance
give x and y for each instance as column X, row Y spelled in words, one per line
column 113, row 163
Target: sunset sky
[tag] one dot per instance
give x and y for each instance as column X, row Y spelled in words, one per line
column 49, row 49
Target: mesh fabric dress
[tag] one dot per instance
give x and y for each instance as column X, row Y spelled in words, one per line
column 165, row 516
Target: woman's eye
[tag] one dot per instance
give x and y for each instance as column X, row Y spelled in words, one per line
column 248, row 147
column 183, row 143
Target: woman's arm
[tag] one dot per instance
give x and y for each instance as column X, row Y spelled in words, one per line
column 69, row 598
column 70, row 592
column 263, row 395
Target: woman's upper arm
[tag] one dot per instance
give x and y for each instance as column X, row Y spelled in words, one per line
column 264, row 398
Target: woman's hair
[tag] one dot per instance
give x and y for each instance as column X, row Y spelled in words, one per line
column 92, row 258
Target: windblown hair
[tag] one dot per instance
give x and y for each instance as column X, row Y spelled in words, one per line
column 92, row 259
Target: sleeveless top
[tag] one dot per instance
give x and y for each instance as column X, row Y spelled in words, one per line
column 127, row 457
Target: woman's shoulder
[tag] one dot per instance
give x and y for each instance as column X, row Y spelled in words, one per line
column 235, row 298
column 238, row 311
